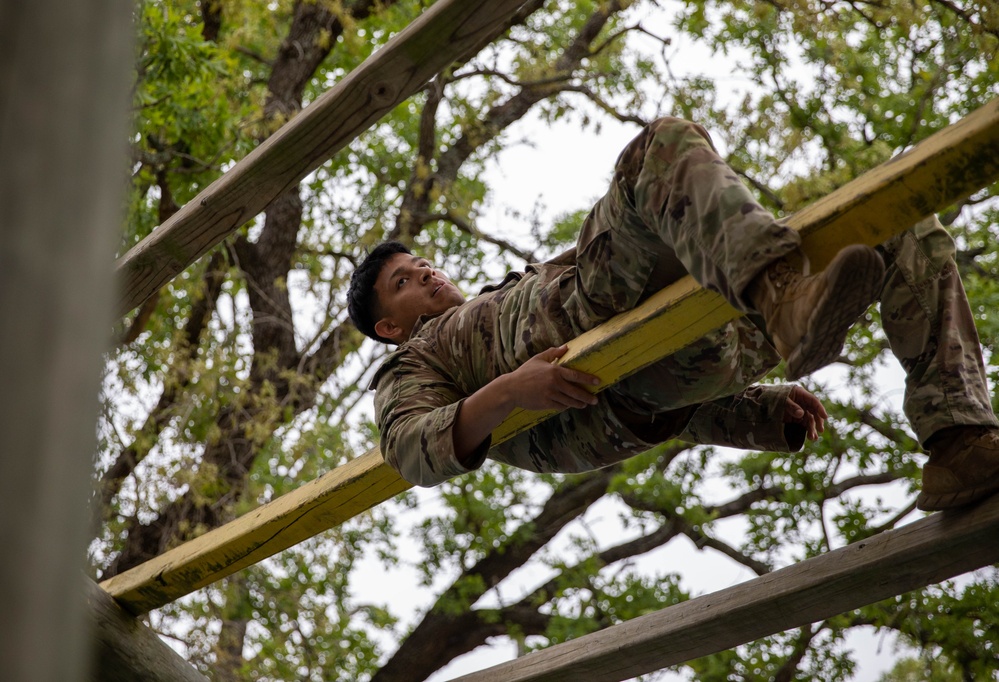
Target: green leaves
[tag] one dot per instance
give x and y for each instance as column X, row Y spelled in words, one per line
column 801, row 97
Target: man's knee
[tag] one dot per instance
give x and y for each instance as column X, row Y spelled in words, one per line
column 667, row 138
column 670, row 126
column 927, row 242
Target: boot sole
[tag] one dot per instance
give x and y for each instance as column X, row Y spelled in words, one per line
column 855, row 278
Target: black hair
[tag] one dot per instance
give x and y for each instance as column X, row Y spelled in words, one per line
column 362, row 299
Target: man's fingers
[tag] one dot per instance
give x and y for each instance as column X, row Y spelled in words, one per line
column 580, row 397
column 568, row 373
column 567, row 402
column 793, row 410
column 575, row 376
column 575, row 395
column 562, row 401
column 553, row 354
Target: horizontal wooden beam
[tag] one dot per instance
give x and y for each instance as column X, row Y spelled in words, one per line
column 867, row 210
column 928, row 551
column 444, row 33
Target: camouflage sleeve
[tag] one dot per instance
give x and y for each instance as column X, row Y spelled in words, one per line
column 416, row 409
column 753, row 420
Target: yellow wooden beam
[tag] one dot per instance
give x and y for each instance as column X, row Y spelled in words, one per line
column 318, row 505
column 943, row 169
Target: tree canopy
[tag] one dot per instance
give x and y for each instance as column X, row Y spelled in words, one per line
column 243, row 378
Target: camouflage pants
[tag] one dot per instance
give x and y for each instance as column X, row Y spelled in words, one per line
column 928, row 322
column 675, row 208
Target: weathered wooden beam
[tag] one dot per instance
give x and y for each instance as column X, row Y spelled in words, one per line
column 928, row 551
column 125, row 650
column 445, row 32
column 868, row 210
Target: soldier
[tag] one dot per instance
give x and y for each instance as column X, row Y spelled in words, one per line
column 674, row 208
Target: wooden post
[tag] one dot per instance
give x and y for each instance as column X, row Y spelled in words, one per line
column 871, row 208
column 64, row 79
column 928, row 551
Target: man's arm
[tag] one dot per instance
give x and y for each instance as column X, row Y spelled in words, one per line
column 431, row 431
column 538, row 384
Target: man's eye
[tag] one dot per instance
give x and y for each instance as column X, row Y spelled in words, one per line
column 402, row 281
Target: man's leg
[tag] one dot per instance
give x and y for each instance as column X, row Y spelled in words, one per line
column 622, row 259
column 631, row 244
column 929, row 324
column 675, row 208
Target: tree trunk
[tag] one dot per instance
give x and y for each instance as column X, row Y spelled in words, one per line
column 235, row 619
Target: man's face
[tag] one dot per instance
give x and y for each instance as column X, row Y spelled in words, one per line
column 408, row 287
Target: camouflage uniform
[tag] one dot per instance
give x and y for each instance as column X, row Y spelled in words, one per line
column 673, row 208
column 928, row 321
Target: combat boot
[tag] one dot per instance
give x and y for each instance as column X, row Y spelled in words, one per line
column 808, row 316
column 963, row 467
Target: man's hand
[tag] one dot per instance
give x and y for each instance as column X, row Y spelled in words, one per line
column 539, row 384
column 805, row 409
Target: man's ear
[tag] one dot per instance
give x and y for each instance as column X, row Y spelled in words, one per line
column 387, row 329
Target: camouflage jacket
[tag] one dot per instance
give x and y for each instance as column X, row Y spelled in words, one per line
column 420, row 388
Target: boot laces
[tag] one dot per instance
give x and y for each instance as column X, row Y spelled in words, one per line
column 781, row 274
column 985, row 437
column 988, row 437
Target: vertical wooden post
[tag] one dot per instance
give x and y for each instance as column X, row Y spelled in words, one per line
column 64, row 79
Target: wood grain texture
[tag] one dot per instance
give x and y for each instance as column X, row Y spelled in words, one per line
column 443, row 33
column 868, row 210
column 928, row 551
column 941, row 170
column 128, row 651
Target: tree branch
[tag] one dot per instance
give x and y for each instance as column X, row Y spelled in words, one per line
column 275, row 388
column 607, row 108
column 788, row 671
column 442, row 634
column 702, row 540
column 468, row 228
column 178, row 379
column 419, row 196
